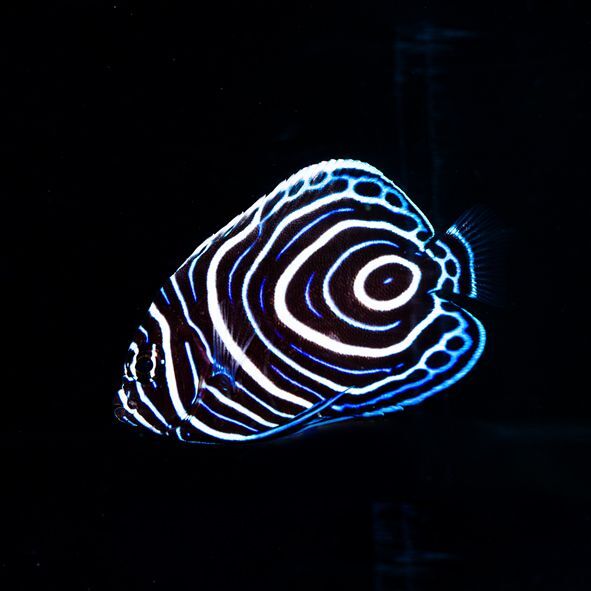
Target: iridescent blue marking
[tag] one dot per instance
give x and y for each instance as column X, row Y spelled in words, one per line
column 310, row 225
column 124, row 418
column 191, row 277
column 193, row 372
column 459, row 375
column 286, row 200
column 338, row 368
column 403, row 199
column 323, row 421
column 235, row 266
column 196, row 256
column 308, row 300
column 293, row 426
column 145, row 333
column 446, row 384
column 292, row 381
column 224, row 418
column 165, row 296
column 261, row 302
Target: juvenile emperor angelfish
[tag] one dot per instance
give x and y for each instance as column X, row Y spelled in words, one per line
column 328, row 299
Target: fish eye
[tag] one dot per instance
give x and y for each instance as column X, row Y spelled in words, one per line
column 144, row 366
column 222, row 382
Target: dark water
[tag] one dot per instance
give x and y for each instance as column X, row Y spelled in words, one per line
column 131, row 133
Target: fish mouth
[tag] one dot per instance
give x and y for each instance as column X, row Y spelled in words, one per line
column 120, row 411
column 126, row 413
column 124, row 416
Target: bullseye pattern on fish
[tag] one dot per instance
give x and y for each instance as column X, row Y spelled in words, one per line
column 327, row 299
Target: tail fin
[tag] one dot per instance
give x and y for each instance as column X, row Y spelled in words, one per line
column 478, row 243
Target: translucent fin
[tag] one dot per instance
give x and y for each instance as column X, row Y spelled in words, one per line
column 477, row 244
column 224, row 362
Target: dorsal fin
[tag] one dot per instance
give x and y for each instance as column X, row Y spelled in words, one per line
column 365, row 180
column 478, row 242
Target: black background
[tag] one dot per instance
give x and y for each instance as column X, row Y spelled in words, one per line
column 131, row 132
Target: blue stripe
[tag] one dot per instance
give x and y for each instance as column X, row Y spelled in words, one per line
column 338, row 368
column 262, row 403
column 235, row 266
column 219, row 416
column 261, row 302
column 165, row 296
column 145, row 333
column 433, row 373
column 308, row 300
column 191, row 278
column 310, row 225
column 296, row 383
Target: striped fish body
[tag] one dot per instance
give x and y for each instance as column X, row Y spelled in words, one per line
column 327, row 299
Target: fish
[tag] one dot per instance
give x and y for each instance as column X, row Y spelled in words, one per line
column 331, row 298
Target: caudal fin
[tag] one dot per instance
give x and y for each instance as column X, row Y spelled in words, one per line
column 478, row 242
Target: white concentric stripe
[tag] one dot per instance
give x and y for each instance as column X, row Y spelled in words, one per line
column 317, row 337
column 154, row 360
column 238, row 407
column 481, row 342
column 193, row 370
column 204, row 246
column 133, row 347
column 328, row 297
column 191, row 275
column 168, row 362
column 188, row 318
column 144, row 398
column 327, row 166
column 200, row 426
column 220, row 326
column 319, row 203
column 213, row 303
column 402, row 376
column 396, row 302
column 271, row 409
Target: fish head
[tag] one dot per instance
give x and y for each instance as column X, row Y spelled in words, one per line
column 143, row 398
